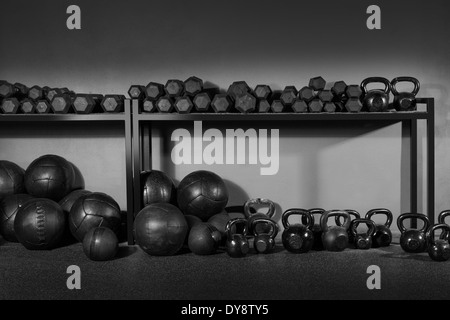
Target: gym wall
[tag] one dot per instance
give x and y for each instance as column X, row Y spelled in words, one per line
column 345, row 165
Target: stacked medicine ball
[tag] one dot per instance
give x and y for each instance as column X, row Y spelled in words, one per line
column 45, row 206
column 173, row 217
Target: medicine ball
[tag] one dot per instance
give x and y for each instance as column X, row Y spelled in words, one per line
column 100, row 244
column 203, row 194
column 220, row 221
column 204, row 239
column 9, row 206
column 39, row 224
column 11, row 178
column 157, row 187
column 93, row 210
column 191, row 221
column 68, row 201
column 52, row 177
column 160, row 229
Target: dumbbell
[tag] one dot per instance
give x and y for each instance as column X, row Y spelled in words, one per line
column 43, row 106
column 61, row 103
column 338, row 89
column 183, row 104
column 87, row 103
column 238, row 88
column 277, row 106
column 263, row 106
column 326, row 96
column 288, row 95
column 354, row 94
column 193, row 86
column 27, row 106
column 300, row 106
column 7, row 90
column 317, row 83
column 263, row 92
column 21, row 90
column 174, row 88
column 165, row 104
column 245, row 103
column 154, row 90
column 149, row 105
column 10, row 105
column 50, row 94
column 306, row 94
column 137, row 91
column 202, row 102
column 36, row 93
column 113, row 103
column 222, row 103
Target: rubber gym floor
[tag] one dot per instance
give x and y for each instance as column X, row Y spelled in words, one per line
column 134, row 275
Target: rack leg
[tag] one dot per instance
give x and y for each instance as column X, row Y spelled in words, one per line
column 413, row 191
column 430, row 162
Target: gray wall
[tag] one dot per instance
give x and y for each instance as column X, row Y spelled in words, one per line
column 275, row 42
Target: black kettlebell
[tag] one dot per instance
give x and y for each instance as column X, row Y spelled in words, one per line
column 362, row 241
column 441, row 219
column 316, row 229
column 297, row 238
column 376, row 100
column 335, row 238
column 251, row 207
column 264, row 242
column 438, row 250
column 405, row 101
column 383, row 235
column 413, row 240
column 237, row 243
column 351, row 212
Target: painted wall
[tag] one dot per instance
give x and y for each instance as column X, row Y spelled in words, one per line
column 274, row 42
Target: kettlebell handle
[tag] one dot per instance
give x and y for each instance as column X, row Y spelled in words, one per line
column 296, row 211
column 351, row 212
column 370, row 224
column 414, row 81
column 386, row 82
column 259, row 201
column 312, row 211
column 387, row 212
column 333, row 213
column 430, row 233
column 420, row 216
column 444, row 214
column 235, row 221
column 273, row 230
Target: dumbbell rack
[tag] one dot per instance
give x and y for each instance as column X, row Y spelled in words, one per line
column 141, row 144
column 124, row 118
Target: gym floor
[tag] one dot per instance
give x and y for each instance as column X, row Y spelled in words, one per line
column 134, row 275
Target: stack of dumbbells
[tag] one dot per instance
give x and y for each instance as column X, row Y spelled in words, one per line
column 17, row 98
column 191, row 96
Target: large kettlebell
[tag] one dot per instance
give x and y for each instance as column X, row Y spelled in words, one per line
column 362, row 241
column 335, row 238
column 237, row 243
column 405, row 101
column 383, row 235
column 376, row 100
column 298, row 238
column 438, row 250
column 316, row 229
column 251, row 207
column 441, row 219
column 264, row 242
column 413, row 240
column 351, row 212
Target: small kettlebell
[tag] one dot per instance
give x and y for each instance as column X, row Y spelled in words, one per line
column 237, row 243
column 316, row 229
column 335, row 238
column 351, row 212
column 362, row 241
column 438, row 250
column 264, row 242
column 250, row 211
column 376, row 100
column 405, row 101
column 441, row 219
column 413, row 240
column 298, row 238
column 383, row 235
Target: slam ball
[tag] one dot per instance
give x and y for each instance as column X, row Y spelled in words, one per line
column 52, row 177
column 203, row 194
column 160, row 229
column 156, row 187
column 11, row 178
column 9, row 206
column 100, row 244
column 93, row 210
column 204, row 239
column 40, row 224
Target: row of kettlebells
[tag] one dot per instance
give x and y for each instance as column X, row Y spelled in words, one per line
column 307, row 235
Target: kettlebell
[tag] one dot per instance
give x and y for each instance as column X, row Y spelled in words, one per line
column 264, row 242
column 376, row 100
column 383, row 235
column 298, row 238
column 405, row 101
column 413, row 240
column 441, row 219
column 438, row 250
column 362, row 241
column 316, row 229
column 335, row 238
column 237, row 243
column 250, row 211
column 351, row 212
